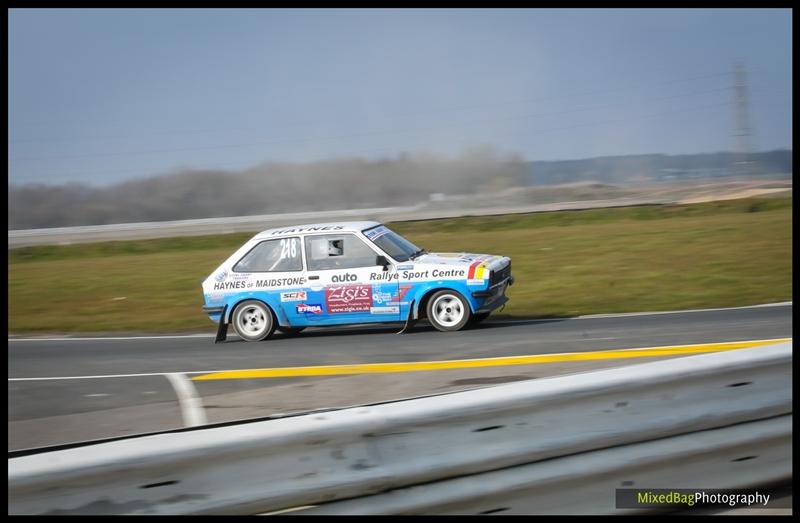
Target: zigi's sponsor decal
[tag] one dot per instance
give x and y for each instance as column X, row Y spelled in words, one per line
column 350, row 298
column 384, row 310
column 294, row 296
column 309, row 308
column 308, row 229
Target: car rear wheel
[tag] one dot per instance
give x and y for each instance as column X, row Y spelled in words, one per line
column 448, row 311
column 253, row 321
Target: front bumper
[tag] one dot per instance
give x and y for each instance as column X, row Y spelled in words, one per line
column 494, row 296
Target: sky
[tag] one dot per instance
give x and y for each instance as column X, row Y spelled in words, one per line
column 98, row 96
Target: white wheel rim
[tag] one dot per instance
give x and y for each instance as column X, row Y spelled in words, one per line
column 252, row 321
column 448, row 310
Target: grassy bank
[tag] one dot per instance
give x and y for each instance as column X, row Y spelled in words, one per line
column 716, row 254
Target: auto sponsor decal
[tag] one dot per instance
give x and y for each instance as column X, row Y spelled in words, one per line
column 294, row 296
column 309, row 308
column 349, row 298
column 384, row 310
column 377, row 232
column 343, row 278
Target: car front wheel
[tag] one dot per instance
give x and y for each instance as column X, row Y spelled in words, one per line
column 252, row 321
column 448, row 311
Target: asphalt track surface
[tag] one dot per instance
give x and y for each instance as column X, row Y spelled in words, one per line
column 67, row 390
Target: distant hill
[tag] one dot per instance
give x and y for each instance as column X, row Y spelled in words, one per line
column 354, row 183
column 655, row 167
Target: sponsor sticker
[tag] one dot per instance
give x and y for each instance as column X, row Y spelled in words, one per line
column 381, row 297
column 294, row 296
column 405, row 267
column 221, row 276
column 309, row 308
column 384, row 310
column 377, row 232
column 349, row 298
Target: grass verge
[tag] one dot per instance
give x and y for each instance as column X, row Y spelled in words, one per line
column 566, row 263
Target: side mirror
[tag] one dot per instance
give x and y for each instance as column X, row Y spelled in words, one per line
column 381, row 260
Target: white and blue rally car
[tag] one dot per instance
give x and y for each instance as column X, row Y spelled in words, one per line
column 291, row 278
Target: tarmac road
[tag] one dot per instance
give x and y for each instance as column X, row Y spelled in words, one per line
column 64, row 390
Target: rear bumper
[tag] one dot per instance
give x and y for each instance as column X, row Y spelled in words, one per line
column 213, row 310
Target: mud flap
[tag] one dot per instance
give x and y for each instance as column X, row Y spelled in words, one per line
column 222, row 328
column 410, row 321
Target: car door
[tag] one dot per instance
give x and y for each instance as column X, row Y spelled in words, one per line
column 345, row 279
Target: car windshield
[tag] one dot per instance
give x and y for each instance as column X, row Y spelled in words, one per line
column 392, row 243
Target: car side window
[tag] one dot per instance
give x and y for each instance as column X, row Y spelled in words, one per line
column 338, row 251
column 272, row 256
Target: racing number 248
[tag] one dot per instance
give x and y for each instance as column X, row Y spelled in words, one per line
column 289, row 248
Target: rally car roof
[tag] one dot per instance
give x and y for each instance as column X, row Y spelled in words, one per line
column 332, row 227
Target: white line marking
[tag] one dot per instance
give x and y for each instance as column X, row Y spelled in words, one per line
column 777, row 340
column 96, row 395
column 189, row 399
column 233, row 335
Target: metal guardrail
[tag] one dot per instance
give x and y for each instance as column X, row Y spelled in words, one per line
column 553, row 445
column 228, row 225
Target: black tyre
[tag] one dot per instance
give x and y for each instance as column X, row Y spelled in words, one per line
column 253, row 321
column 448, row 311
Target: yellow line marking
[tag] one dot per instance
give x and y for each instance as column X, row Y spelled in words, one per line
column 375, row 368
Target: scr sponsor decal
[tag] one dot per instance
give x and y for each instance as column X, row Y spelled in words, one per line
column 294, row 296
column 309, row 308
column 349, row 298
